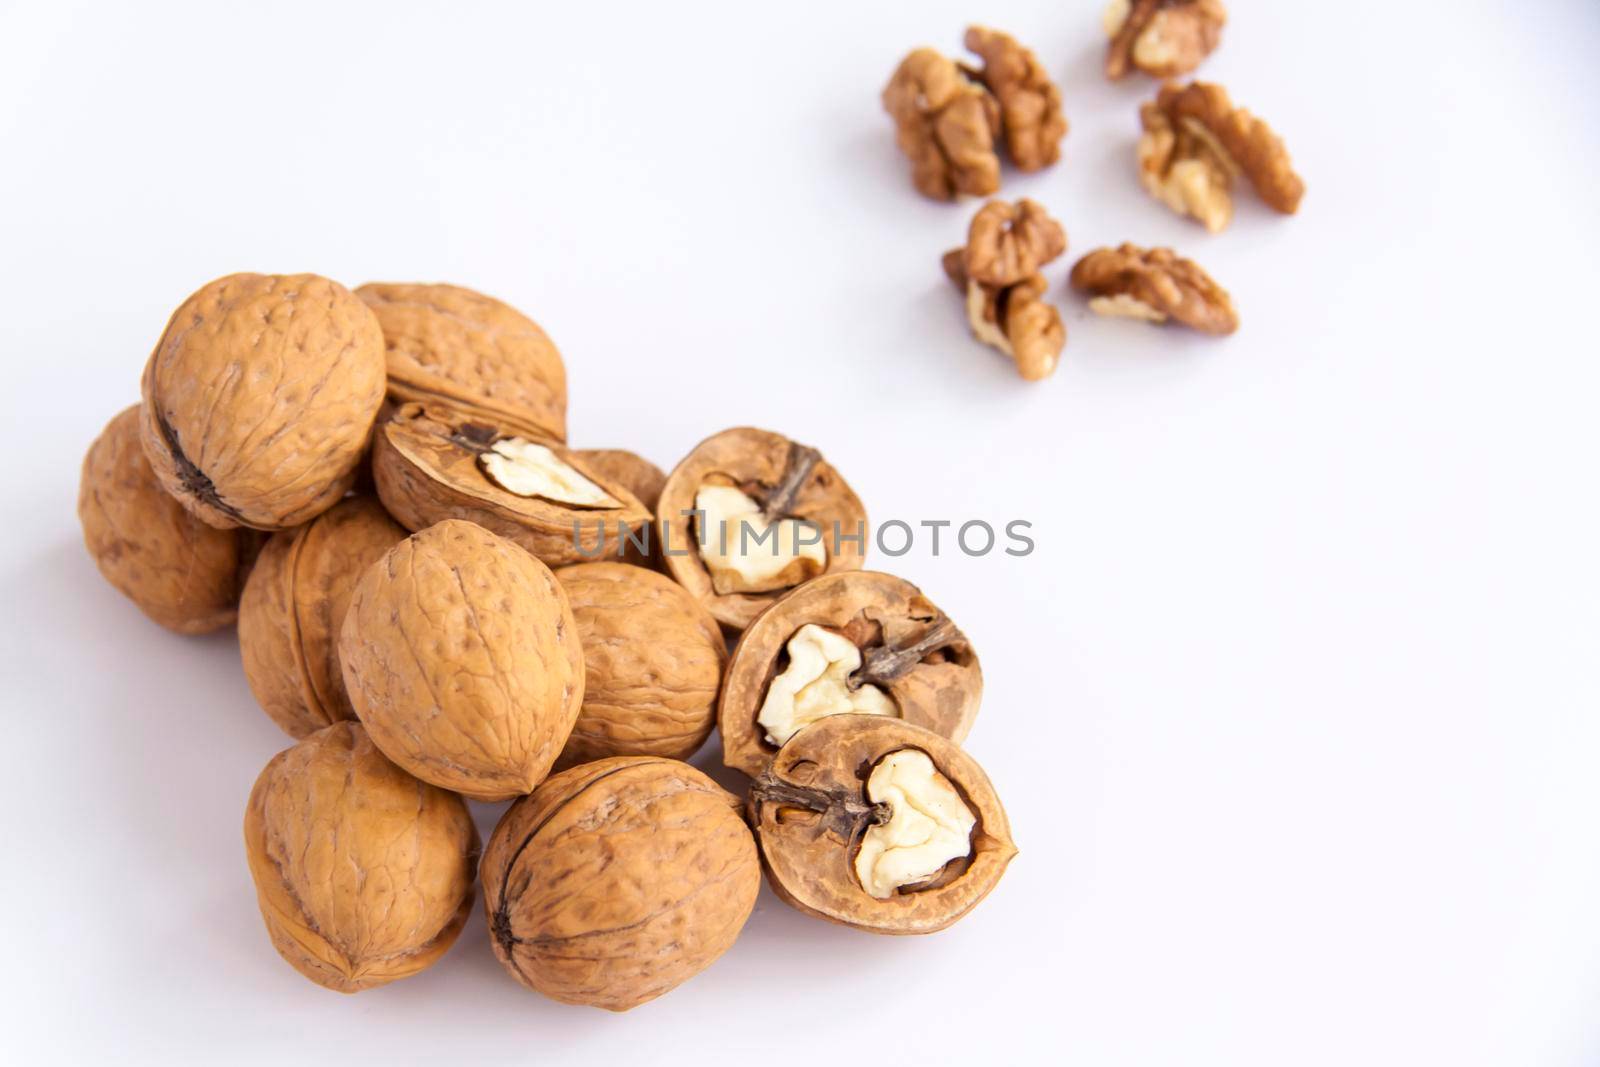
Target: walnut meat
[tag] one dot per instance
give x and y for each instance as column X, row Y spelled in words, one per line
column 874, row 823
column 433, row 462
column 470, row 351
column 617, row 881
column 859, row 641
column 997, row 271
column 1007, row 242
column 945, row 123
column 364, row 874
column 1155, row 286
column 1195, row 142
column 748, row 514
column 461, row 657
column 293, row 605
column 180, row 572
column 1030, row 103
column 1162, row 38
column 653, row 659
column 260, row 396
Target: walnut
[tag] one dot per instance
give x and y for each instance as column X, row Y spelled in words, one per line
column 462, row 659
column 618, row 880
column 1008, row 242
column 946, row 124
column 1162, row 38
column 180, row 572
column 1196, row 142
column 1012, row 242
column 259, row 398
column 293, row 605
column 450, row 344
column 641, row 478
column 653, row 659
column 877, row 824
column 859, row 641
column 364, row 874
column 750, row 513
column 1030, row 103
column 1155, row 286
column 433, row 462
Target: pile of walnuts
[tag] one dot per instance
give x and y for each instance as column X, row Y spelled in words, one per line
column 952, row 120
column 442, row 602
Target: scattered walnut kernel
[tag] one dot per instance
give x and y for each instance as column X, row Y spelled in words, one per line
column 998, row 272
column 946, row 125
column 1154, row 286
column 1030, row 103
column 1196, row 142
column 1007, row 242
column 1162, row 38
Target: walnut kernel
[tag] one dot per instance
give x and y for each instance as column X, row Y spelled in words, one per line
column 1155, row 286
column 945, row 123
column 1162, row 38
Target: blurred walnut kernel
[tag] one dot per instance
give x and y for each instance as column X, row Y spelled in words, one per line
column 1154, row 286
column 1162, row 38
column 1030, row 103
column 1007, row 244
column 945, row 123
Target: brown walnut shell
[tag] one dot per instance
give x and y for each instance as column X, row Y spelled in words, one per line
column 462, row 658
column 810, row 809
column 293, row 605
column 641, row 478
column 425, row 461
column 910, row 649
column 775, row 471
column 180, row 572
column 363, row 874
column 619, row 880
column 260, row 396
column 452, row 344
column 653, row 659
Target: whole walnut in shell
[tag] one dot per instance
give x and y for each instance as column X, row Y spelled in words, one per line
column 855, row 642
column 294, row 604
column 749, row 514
column 641, row 478
column 180, row 572
column 874, row 823
column 653, row 659
column 433, row 462
column 450, row 344
column 461, row 657
column 260, row 396
column 364, row 874
column 618, row 880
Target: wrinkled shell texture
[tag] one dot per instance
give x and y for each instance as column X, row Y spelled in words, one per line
column 364, row 874
column 260, row 396
column 447, row 342
column 641, row 478
column 462, row 659
column 1030, row 103
column 180, row 572
column 294, row 604
column 1249, row 142
column 1164, row 38
column 756, row 459
column 653, row 659
column 810, row 856
column 425, row 474
column 941, row 693
column 946, row 125
column 618, row 880
column 1159, row 279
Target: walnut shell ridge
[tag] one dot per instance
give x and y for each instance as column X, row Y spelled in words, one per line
column 260, row 396
column 363, row 874
column 616, row 881
column 462, row 659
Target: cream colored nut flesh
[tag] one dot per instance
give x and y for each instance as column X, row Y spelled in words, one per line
column 1195, row 187
column 1115, row 14
column 979, row 317
column 530, row 469
column 745, row 552
column 1121, row 305
column 1155, row 47
column 816, row 685
column 929, row 824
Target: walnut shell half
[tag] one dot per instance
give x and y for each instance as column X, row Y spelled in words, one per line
column 364, row 874
column 461, row 657
column 433, row 462
column 470, row 350
column 641, row 478
column 618, row 880
column 900, row 643
column 294, row 604
column 799, row 496
column 813, row 816
column 653, row 659
column 260, row 396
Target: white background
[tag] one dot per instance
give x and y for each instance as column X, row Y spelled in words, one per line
column 1296, row 708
